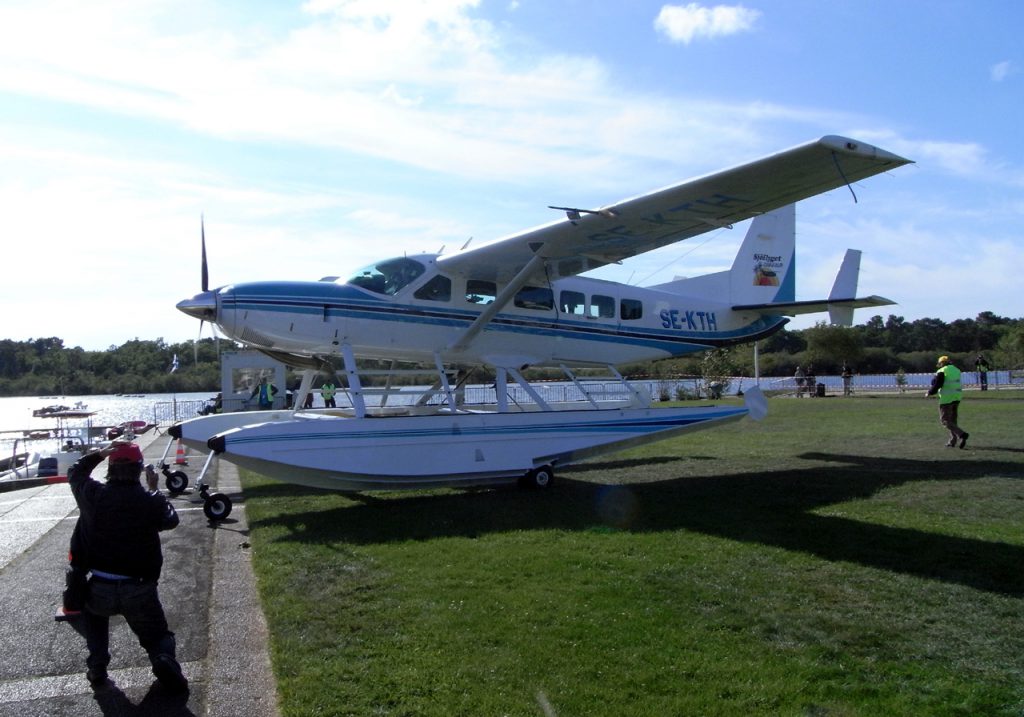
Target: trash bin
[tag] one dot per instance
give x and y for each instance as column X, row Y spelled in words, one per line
column 820, row 392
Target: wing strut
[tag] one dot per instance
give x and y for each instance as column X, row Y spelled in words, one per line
column 499, row 303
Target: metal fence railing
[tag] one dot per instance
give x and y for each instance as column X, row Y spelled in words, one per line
column 167, row 412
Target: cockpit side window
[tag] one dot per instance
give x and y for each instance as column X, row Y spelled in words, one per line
column 387, row 277
column 437, row 289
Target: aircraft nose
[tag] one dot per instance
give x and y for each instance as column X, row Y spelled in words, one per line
column 201, row 306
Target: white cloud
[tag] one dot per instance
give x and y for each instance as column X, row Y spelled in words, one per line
column 1001, row 70
column 423, row 84
column 684, row 23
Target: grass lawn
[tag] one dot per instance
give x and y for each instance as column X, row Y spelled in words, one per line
column 834, row 559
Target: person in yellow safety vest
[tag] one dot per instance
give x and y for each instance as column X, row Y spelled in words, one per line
column 946, row 383
column 327, row 390
column 266, row 392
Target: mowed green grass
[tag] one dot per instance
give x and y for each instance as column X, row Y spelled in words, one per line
column 834, row 559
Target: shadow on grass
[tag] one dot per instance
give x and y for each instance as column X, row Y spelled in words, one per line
column 773, row 508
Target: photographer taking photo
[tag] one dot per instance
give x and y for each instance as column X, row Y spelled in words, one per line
column 117, row 540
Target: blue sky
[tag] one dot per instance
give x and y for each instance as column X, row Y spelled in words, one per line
column 316, row 137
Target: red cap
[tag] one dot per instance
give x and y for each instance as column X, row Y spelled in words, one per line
column 126, row 453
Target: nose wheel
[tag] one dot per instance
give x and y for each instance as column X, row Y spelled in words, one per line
column 216, row 506
column 176, row 481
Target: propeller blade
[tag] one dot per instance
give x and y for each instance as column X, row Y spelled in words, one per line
column 195, row 344
column 205, row 280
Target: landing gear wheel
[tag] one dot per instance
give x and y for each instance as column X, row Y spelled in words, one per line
column 217, row 507
column 176, row 482
column 538, row 479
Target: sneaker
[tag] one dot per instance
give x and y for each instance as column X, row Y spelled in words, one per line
column 97, row 677
column 65, row 615
column 168, row 672
column 963, row 440
column 951, row 443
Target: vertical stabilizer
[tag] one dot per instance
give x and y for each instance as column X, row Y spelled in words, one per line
column 845, row 287
column 765, row 267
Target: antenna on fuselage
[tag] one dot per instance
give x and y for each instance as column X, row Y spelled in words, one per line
column 466, row 244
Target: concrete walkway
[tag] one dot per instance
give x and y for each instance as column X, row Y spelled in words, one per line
column 207, row 590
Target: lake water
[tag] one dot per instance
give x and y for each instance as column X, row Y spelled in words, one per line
column 163, row 408
column 16, row 413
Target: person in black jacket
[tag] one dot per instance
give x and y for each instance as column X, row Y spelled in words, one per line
column 117, row 538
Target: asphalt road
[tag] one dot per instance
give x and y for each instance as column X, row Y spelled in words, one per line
column 207, row 590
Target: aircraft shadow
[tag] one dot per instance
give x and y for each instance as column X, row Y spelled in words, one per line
column 773, row 508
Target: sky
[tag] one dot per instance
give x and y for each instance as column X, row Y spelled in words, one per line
column 313, row 138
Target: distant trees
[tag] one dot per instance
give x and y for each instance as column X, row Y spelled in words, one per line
column 44, row 366
column 876, row 346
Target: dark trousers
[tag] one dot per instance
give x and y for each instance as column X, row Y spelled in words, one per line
column 140, row 605
column 948, row 418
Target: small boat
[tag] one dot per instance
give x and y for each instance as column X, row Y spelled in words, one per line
column 132, row 428
column 52, row 409
column 48, row 453
column 17, row 464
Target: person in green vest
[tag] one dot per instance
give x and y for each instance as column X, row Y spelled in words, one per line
column 266, row 392
column 981, row 366
column 946, row 383
column 327, row 390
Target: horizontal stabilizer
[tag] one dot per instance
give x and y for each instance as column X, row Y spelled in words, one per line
column 794, row 308
column 840, row 309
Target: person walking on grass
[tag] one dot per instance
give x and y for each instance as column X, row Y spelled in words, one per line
column 946, row 383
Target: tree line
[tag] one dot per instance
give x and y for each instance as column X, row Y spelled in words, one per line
column 45, row 367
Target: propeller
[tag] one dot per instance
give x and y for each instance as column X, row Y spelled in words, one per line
column 202, row 306
column 204, row 284
column 205, row 275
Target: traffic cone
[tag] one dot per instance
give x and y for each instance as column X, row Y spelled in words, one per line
column 179, row 457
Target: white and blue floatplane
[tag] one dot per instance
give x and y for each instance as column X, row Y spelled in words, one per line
column 521, row 302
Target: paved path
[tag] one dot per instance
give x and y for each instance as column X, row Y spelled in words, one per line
column 207, row 589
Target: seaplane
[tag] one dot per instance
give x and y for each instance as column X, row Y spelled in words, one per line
column 518, row 302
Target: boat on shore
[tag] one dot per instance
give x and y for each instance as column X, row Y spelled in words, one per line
column 49, row 453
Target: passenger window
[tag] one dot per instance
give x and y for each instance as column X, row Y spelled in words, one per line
column 534, row 297
column 602, row 307
column 572, row 302
column 437, row 289
column 481, row 292
column 631, row 310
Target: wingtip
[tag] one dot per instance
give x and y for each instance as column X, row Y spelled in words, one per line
column 848, row 145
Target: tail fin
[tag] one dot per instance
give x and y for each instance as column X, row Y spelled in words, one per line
column 764, row 270
column 763, row 275
column 845, row 287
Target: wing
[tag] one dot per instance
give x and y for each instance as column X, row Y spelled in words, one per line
column 589, row 239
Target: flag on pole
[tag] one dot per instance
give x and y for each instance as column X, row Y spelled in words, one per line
column 174, row 364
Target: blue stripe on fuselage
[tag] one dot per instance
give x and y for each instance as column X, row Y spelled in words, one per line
column 346, row 302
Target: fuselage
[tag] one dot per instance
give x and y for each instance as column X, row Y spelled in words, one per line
column 406, row 309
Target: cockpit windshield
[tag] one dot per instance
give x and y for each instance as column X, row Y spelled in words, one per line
column 387, row 277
